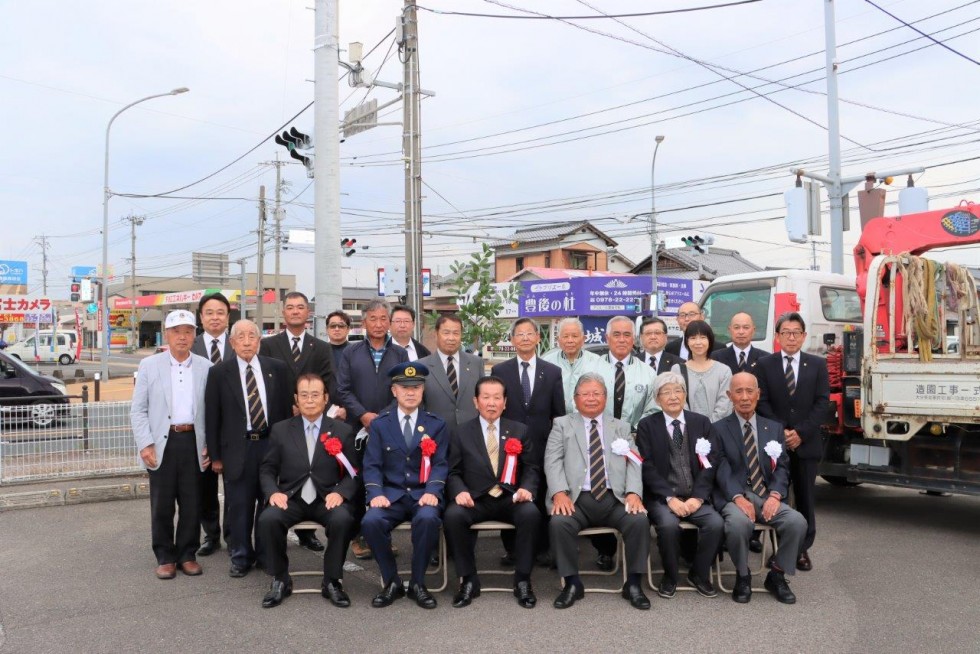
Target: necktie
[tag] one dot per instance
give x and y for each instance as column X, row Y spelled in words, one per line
column 493, row 451
column 407, row 431
column 451, row 374
column 525, row 383
column 309, row 490
column 215, row 355
column 597, row 470
column 653, row 361
column 790, row 377
column 295, row 349
column 255, row 411
column 756, row 482
column 677, row 435
column 620, row 391
column 741, row 360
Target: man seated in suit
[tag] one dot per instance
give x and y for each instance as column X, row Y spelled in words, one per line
column 492, row 476
column 591, row 483
column 243, row 397
column 741, row 355
column 750, row 485
column 452, row 375
column 402, row 328
column 794, row 389
column 653, row 338
column 537, row 397
column 405, row 470
column 680, row 459
column 302, row 353
column 308, row 475
column 167, row 417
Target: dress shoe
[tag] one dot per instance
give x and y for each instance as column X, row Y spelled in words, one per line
column 777, row 586
column 209, row 547
column 166, row 571
column 308, row 539
column 237, row 571
column 772, row 557
column 507, row 560
column 637, row 599
column 803, row 562
column 280, row 590
column 605, row 562
column 334, row 591
column 742, row 592
column 434, row 561
column 360, row 549
column 566, row 598
column 191, row 568
column 422, row 596
column 755, row 543
column 667, row 587
column 545, row 560
column 391, row 592
column 468, row 591
column 703, row 586
column 525, row 594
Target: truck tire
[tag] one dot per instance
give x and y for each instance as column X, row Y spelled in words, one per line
column 837, row 480
column 65, row 359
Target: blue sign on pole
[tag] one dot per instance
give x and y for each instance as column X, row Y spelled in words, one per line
column 84, row 271
column 13, row 272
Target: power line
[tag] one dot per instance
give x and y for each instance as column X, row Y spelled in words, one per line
column 590, row 17
column 928, row 36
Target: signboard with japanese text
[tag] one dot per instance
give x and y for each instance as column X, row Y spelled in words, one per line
column 13, row 273
column 22, row 308
column 84, row 271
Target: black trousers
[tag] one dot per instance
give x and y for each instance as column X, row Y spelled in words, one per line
column 542, row 542
column 243, row 503
column 803, row 473
column 339, row 523
column 525, row 516
column 210, row 507
column 708, row 537
column 173, row 485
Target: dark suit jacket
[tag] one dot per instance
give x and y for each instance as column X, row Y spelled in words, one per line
column 807, row 409
column 653, row 444
column 727, row 356
column 362, row 389
column 287, row 466
column 203, row 348
column 420, row 350
column 547, row 400
column 733, row 466
column 469, row 463
column 438, row 395
column 316, row 357
column 225, row 410
column 674, row 347
column 392, row 469
column 666, row 360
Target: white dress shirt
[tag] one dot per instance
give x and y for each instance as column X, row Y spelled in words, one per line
column 532, row 366
column 208, row 339
column 301, row 336
column 795, row 359
column 414, row 419
column 182, row 392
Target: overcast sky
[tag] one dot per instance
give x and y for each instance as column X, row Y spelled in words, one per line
column 533, row 122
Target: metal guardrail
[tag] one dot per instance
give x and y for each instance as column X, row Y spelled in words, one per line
column 66, row 440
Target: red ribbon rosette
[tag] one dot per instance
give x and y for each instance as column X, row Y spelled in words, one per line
column 512, row 448
column 428, row 447
column 335, row 448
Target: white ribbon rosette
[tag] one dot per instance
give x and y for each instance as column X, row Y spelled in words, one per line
column 621, row 447
column 774, row 450
column 702, row 447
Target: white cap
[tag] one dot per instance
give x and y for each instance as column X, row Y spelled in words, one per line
column 180, row 317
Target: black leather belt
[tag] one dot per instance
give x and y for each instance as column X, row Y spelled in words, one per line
column 256, row 435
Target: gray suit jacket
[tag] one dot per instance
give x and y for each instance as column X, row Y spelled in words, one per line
column 439, row 397
column 152, row 398
column 567, row 456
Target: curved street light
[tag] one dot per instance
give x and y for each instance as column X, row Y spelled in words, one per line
column 106, row 194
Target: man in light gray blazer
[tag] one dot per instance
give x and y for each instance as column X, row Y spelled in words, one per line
column 592, row 483
column 451, row 384
column 167, row 417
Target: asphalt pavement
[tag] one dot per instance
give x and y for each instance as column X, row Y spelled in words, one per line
column 893, row 571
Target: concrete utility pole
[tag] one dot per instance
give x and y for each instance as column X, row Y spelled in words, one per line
column 277, row 311
column 655, row 292
column 241, row 301
column 134, row 222
column 412, row 155
column 42, row 240
column 259, row 318
column 326, row 165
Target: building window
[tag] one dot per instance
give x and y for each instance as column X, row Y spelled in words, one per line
column 520, row 263
column 578, row 260
column 547, row 260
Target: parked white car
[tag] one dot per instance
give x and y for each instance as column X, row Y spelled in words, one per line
column 63, row 353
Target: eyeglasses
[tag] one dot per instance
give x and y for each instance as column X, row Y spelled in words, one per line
column 591, row 394
column 791, row 334
column 336, row 325
column 402, row 321
column 670, row 392
column 655, row 333
column 311, row 395
column 525, row 335
column 689, row 314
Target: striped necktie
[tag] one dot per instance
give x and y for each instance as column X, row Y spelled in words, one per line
column 215, row 354
column 295, row 349
column 255, row 411
column 451, row 374
column 309, row 490
column 756, row 482
column 741, row 360
column 790, row 377
column 597, row 469
column 620, row 391
column 493, row 451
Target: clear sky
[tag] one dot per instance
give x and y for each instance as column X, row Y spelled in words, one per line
column 533, row 122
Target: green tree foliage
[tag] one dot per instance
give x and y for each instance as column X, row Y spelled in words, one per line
column 480, row 302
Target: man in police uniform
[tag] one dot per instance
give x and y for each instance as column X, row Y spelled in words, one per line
column 393, row 460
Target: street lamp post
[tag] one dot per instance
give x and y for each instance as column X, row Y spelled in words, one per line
column 655, row 295
column 106, row 194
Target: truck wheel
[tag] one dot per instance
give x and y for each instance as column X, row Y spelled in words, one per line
column 836, row 480
column 65, row 359
column 43, row 414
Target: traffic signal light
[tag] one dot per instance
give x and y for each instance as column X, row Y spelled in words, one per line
column 295, row 140
column 76, row 290
column 696, row 241
column 347, row 246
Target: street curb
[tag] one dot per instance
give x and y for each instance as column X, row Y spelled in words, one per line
column 31, row 500
column 100, row 494
column 129, row 490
